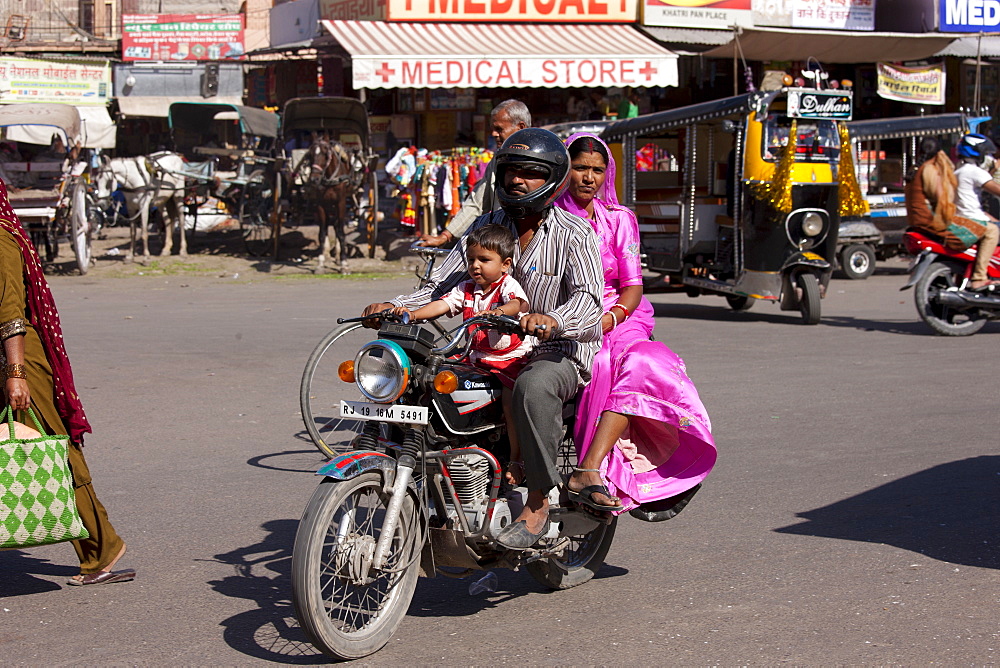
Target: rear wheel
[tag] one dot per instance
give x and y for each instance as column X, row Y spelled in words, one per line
column 739, row 302
column 347, row 608
column 585, row 554
column 321, row 389
column 944, row 319
column 857, row 261
column 807, row 286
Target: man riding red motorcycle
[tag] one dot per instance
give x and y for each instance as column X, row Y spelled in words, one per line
column 931, row 204
column 957, row 267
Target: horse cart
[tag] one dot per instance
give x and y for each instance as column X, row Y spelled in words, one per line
column 48, row 191
column 332, row 175
column 229, row 154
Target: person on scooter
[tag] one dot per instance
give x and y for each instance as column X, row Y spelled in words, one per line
column 558, row 262
column 931, row 206
column 975, row 155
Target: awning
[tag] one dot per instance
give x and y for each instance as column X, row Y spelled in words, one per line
column 688, row 40
column 476, row 55
column 833, row 46
column 968, row 47
column 908, row 126
column 159, row 107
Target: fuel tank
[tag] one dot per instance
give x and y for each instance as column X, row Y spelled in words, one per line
column 475, row 406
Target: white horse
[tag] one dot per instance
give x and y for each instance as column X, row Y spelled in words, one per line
column 155, row 180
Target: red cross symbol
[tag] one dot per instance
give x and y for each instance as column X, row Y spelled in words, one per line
column 385, row 72
column 648, row 71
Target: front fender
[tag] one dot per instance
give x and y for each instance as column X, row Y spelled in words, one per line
column 352, row 464
column 922, row 263
column 805, row 259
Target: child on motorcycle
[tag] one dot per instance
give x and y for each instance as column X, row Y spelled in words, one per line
column 490, row 289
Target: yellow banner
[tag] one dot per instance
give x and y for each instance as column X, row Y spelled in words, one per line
column 924, row 85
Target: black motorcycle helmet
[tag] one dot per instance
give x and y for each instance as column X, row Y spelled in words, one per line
column 532, row 148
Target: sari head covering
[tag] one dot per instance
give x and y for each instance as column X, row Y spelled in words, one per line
column 606, row 194
column 45, row 320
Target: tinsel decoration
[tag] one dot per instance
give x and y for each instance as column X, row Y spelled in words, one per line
column 778, row 191
column 852, row 202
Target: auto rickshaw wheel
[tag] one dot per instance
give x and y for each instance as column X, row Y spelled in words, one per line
column 857, row 261
column 740, row 302
column 807, row 287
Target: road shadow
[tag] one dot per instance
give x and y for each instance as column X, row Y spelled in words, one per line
column 262, row 573
column 722, row 313
column 449, row 597
column 19, row 569
column 295, row 461
column 947, row 513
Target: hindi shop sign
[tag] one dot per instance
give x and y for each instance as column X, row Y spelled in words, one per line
column 924, row 85
column 180, row 37
column 68, row 82
column 589, row 11
column 834, row 14
column 514, row 72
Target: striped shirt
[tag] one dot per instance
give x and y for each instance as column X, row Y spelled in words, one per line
column 561, row 273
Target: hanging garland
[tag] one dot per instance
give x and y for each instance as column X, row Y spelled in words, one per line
column 852, row 202
column 778, row 191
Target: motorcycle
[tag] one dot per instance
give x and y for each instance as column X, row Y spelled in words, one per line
column 941, row 277
column 422, row 491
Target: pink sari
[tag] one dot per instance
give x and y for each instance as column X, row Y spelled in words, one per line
column 668, row 447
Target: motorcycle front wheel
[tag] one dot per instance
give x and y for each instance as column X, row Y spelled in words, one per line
column 346, row 608
column 939, row 317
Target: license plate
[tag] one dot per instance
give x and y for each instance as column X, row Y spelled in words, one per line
column 365, row 410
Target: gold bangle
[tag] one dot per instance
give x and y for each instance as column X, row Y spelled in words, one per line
column 15, row 371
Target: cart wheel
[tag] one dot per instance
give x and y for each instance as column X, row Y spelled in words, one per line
column 81, row 218
column 807, row 286
column 857, row 261
column 256, row 203
column 740, row 303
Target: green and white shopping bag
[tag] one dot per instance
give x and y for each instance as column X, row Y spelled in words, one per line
column 37, row 501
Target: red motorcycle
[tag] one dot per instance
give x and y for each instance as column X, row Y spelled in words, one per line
column 941, row 276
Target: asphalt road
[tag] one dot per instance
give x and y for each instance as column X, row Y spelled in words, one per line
column 851, row 518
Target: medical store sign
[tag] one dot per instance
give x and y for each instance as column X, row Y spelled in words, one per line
column 549, row 11
column 514, row 72
column 722, row 14
column 182, row 37
column 808, row 104
column 29, row 80
column 969, row 16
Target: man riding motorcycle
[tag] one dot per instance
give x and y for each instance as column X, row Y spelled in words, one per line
column 559, row 267
column 931, row 205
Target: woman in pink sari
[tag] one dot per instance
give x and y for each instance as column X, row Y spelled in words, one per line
column 642, row 433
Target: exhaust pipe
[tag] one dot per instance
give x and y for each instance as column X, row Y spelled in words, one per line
column 967, row 299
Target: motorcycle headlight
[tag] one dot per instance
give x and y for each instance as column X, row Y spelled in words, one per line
column 382, row 371
column 812, row 224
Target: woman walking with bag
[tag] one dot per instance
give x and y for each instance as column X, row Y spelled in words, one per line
column 36, row 373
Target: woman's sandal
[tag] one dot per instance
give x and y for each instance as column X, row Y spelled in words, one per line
column 104, row 577
column 585, row 496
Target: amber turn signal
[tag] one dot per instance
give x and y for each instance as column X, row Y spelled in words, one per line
column 787, row 80
column 446, row 382
column 346, row 371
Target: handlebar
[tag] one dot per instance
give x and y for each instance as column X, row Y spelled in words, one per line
column 385, row 314
column 502, row 323
column 428, row 251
